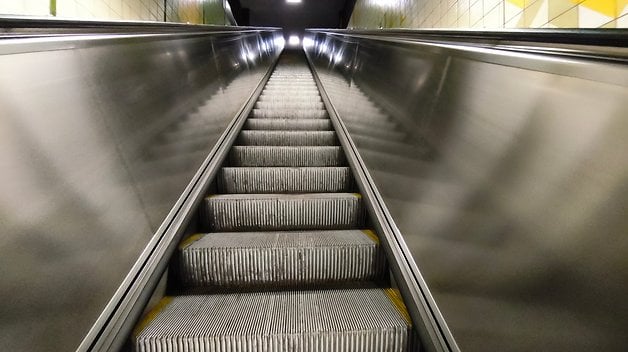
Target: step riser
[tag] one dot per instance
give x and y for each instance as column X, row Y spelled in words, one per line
column 284, row 259
column 285, row 180
column 284, row 214
column 289, row 114
column 286, row 138
column 294, row 98
column 290, row 105
column 288, row 124
column 292, row 93
column 287, row 156
column 278, row 321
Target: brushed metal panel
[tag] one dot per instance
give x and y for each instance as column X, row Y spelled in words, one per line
column 100, row 135
column 514, row 200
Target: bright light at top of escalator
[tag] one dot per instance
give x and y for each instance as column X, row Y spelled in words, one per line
column 308, row 42
column 279, row 42
column 293, row 1
column 294, row 40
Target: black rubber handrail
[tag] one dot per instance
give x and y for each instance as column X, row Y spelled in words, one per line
column 15, row 26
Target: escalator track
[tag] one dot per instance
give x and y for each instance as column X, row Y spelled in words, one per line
column 288, row 260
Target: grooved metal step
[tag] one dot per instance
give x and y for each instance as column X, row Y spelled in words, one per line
column 289, row 98
column 286, row 156
column 321, row 320
column 291, row 83
column 289, row 88
column 286, row 258
column 267, row 212
column 287, row 138
column 286, row 104
column 289, row 114
column 284, row 179
column 288, row 124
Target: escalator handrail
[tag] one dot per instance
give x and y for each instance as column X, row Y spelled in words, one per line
column 599, row 45
column 579, row 36
column 20, row 27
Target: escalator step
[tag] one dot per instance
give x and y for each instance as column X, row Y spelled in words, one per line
column 288, row 124
column 286, row 104
column 289, row 113
column 314, row 98
column 246, row 259
column 320, row 320
column 267, row 212
column 287, row 138
column 286, row 156
column 305, row 82
column 289, row 89
column 284, row 179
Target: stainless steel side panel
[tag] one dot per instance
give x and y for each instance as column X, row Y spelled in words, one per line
column 506, row 174
column 100, row 135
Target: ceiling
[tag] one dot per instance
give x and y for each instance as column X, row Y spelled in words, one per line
column 293, row 17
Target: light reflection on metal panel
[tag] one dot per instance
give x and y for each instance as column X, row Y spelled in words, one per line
column 508, row 183
column 98, row 142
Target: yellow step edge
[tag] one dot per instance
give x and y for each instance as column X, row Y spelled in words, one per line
column 395, row 297
column 371, row 235
column 188, row 241
column 151, row 315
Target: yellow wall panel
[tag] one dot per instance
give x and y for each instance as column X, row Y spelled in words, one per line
column 558, row 7
column 567, row 19
column 535, row 15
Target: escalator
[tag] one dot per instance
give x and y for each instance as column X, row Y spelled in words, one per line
column 287, row 259
column 164, row 180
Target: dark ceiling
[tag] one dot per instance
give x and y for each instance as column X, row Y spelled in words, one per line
column 293, row 18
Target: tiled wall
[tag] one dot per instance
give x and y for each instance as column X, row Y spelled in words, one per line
column 492, row 14
column 192, row 11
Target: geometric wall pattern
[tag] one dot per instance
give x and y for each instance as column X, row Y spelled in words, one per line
column 490, row 14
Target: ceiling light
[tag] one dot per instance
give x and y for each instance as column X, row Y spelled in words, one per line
column 293, row 1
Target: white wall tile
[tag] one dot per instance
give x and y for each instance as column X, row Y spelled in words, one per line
column 591, row 19
column 495, row 17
